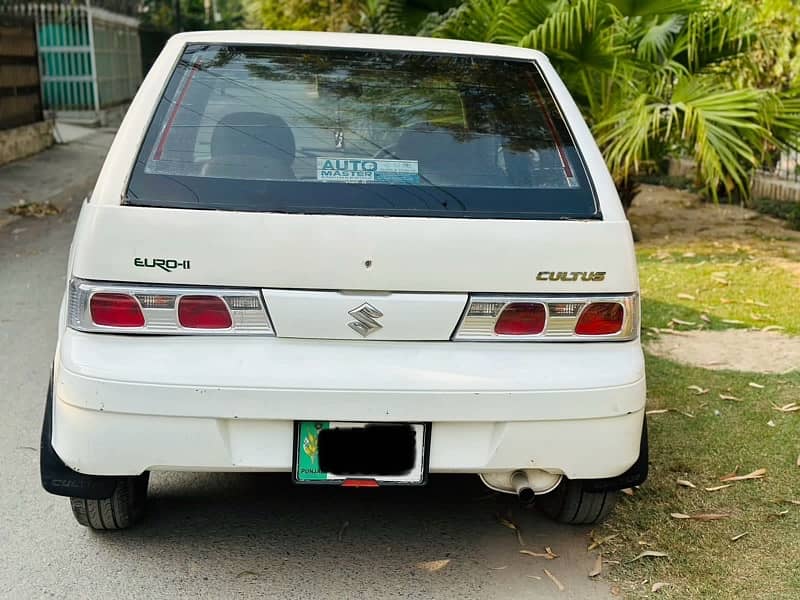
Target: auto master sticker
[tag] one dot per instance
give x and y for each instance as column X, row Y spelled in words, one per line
column 370, row 170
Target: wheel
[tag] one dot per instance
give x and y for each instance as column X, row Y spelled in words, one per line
column 124, row 508
column 571, row 503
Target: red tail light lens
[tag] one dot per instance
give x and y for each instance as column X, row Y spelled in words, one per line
column 203, row 312
column 116, row 310
column 601, row 318
column 521, row 318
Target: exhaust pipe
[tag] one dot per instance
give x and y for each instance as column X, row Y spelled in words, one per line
column 522, row 487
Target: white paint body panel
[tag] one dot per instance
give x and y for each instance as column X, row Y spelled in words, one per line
column 125, row 404
column 325, row 315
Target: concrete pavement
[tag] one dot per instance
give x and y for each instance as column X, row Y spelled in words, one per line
column 233, row 536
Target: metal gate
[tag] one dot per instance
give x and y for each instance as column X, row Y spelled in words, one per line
column 89, row 56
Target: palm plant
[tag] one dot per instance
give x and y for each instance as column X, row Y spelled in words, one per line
column 653, row 78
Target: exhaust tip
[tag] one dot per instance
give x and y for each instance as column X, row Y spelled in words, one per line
column 526, row 495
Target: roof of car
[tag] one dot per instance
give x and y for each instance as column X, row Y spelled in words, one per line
column 315, row 39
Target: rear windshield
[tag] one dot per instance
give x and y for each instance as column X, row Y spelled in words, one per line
column 275, row 129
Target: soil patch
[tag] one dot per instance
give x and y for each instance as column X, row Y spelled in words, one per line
column 664, row 215
column 732, row 349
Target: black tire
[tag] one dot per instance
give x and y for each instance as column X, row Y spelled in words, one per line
column 124, row 508
column 571, row 503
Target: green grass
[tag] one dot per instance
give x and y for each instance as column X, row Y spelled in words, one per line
column 733, row 285
column 702, row 437
column 721, row 436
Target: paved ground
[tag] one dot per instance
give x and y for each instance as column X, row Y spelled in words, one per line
column 243, row 536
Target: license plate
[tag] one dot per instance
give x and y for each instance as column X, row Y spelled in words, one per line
column 336, row 451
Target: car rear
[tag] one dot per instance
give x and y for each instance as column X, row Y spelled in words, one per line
column 308, row 250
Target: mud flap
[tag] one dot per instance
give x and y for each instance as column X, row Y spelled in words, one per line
column 58, row 478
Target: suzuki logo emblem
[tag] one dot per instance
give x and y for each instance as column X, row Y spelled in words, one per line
column 365, row 322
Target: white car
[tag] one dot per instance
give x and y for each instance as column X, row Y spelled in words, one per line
column 357, row 260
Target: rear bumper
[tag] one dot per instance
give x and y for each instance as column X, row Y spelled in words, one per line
column 123, row 405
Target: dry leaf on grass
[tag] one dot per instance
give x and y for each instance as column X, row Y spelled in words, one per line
column 552, row 577
column 657, row 411
column 698, row 390
column 717, row 488
column 700, row 516
column 705, row 318
column 649, row 554
column 658, row 586
column 733, row 322
column 433, row 565
column 755, row 385
column 798, row 460
column 684, row 296
column 685, row 483
column 598, row 566
column 773, row 328
column 786, row 408
column 596, row 543
column 739, row 536
column 627, row 491
column 674, row 321
column 782, row 513
column 729, row 397
column 797, row 502
column 534, row 577
column 757, row 474
column 770, row 423
column 548, row 553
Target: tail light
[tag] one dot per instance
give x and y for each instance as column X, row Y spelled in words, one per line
column 143, row 309
column 601, row 318
column 203, row 312
column 115, row 310
column 521, row 318
column 550, row 318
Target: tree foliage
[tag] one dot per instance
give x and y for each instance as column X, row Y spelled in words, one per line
column 658, row 77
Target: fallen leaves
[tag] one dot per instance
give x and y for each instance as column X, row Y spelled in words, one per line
column 597, row 569
column 757, row 474
column 513, row 526
column 739, row 536
column 433, row 565
column 34, row 209
column 657, row 586
column 548, row 553
column 787, row 408
column 755, row 385
column 649, row 554
column 717, row 488
column 700, row 516
column 684, row 296
column 596, row 543
column 557, row 583
column 698, row 390
column 685, row 483
column 729, row 397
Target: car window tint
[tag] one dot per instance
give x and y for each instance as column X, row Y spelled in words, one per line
column 360, row 132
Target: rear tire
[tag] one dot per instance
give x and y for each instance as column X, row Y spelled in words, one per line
column 571, row 503
column 124, row 508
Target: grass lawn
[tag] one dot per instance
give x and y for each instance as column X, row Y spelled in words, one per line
column 701, row 438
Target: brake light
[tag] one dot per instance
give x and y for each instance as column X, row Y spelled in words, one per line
column 521, row 318
column 115, row 310
column 550, row 318
column 601, row 318
column 166, row 310
column 203, row 312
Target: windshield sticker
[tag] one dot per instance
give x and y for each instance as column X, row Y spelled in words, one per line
column 371, row 170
